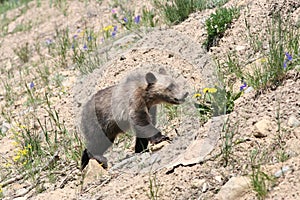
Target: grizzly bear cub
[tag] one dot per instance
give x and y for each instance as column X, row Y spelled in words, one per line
column 127, row 105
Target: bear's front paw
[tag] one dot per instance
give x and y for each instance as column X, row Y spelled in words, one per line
column 158, row 138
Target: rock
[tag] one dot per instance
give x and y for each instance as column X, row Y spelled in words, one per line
column 94, row 171
column 5, row 127
column 159, row 146
column 263, row 128
column 20, row 198
column 240, row 48
column 235, row 188
column 219, row 179
column 293, row 121
column 282, row 171
column 197, row 183
column 205, row 187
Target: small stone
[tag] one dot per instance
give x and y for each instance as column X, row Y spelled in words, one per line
column 5, row 127
column 263, row 128
column 205, row 187
column 282, row 171
column 240, row 48
column 249, row 89
column 197, row 183
column 293, row 121
column 219, row 179
column 235, row 188
column 159, row 146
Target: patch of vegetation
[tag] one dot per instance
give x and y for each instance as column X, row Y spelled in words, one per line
column 6, row 5
column 260, row 181
column 281, row 56
column 23, row 52
column 176, row 11
column 214, row 102
column 217, row 24
column 153, row 187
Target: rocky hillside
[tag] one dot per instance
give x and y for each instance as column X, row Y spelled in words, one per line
column 236, row 137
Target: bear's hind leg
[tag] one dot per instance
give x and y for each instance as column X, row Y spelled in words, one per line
column 85, row 158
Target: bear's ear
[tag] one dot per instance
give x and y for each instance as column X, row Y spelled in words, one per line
column 162, row 71
column 150, row 78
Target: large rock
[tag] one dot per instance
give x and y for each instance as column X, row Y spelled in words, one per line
column 263, row 128
column 235, row 188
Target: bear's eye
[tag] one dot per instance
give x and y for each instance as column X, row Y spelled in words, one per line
column 171, row 87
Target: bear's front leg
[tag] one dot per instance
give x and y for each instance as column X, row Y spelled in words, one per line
column 141, row 145
column 86, row 156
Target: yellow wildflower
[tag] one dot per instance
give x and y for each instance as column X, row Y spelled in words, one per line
column 263, row 60
column 197, row 95
column 16, row 157
column 7, row 165
column 107, row 28
column 24, row 152
column 15, row 143
column 212, row 90
column 205, row 90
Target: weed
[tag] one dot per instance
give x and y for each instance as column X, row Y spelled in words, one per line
column 171, row 111
column 6, row 5
column 9, row 94
column 23, row 27
column 175, row 11
column 153, row 187
column 260, row 181
column 64, row 44
column 282, row 55
column 228, row 143
column 217, row 24
column 23, row 52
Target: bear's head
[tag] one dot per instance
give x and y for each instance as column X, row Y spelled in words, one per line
column 162, row 88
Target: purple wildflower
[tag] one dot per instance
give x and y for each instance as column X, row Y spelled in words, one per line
column 137, row 19
column 89, row 38
column 113, row 34
column 114, row 11
column 242, row 87
column 31, row 85
column 49, row 41
column 115, row 28
column 85, row 47
column 288, row 56
column 75, row 36
column 73, row 46
column 125, row 19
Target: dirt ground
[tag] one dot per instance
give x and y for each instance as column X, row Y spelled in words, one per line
column 190, row 166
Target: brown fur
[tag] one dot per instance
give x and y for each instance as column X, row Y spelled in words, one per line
column 128, row 105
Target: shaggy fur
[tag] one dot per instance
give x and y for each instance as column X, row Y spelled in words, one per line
column 128, row 105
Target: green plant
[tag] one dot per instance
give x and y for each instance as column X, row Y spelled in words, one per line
column 175, row 11
column 229, row 140
column 84, row 46
column 260, row 181
column 9, row 94
column 217, row 24
column 6, row 5
column 63, row 46
column 171, row 111
column 23, row 53
column 283, row 42
column 153, row 187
